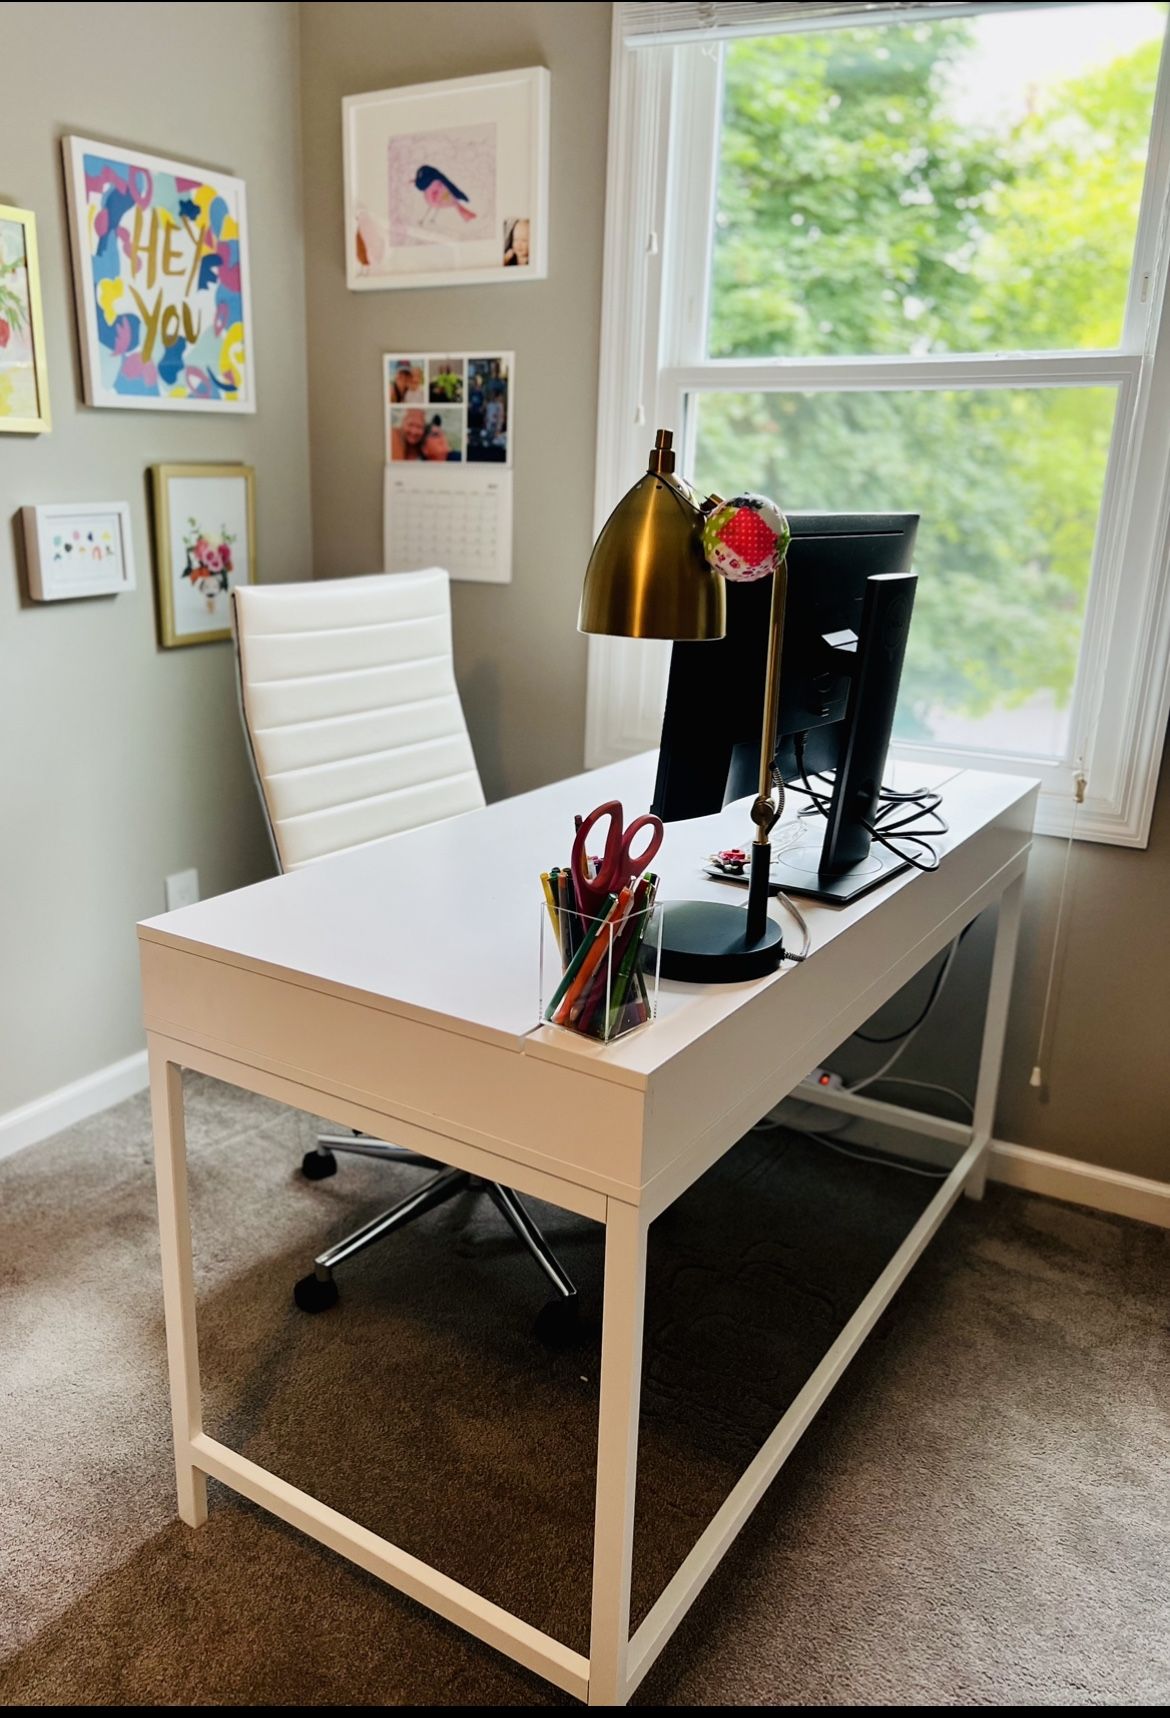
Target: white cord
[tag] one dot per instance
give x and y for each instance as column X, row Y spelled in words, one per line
column 834, row 1144
column 879, row 1073
column 932, row 1086
column 773, row 1123
column 876, row 1158
column 1036, row 1078
column 787, row 901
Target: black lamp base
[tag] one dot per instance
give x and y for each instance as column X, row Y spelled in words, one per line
column 704, row 942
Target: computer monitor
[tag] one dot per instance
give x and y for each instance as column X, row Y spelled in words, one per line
column 850, row 597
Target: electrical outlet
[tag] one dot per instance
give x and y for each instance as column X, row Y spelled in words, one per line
column 182, row 889
column 824, row 1079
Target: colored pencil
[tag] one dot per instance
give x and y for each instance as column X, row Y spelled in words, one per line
column 630, row 940
column 593, row 997
column 593, row 953
column 566, row 906
column 578, row 960
column 550, row 904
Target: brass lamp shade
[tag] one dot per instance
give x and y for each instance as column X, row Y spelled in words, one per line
column 647, row 576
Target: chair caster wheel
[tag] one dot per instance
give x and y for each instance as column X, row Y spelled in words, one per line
column 557, row 1323
column 318, row 1165
column 313, row 1295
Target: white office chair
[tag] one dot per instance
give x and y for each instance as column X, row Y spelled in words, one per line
column 356, row 732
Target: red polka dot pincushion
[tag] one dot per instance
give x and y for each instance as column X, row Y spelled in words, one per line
column 746, row 538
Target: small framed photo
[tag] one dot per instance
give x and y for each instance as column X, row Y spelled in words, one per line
column 78, row 549
column 204, row 543
column 446, row 184
column 24, row 383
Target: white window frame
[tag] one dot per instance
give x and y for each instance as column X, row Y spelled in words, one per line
column 663, row 143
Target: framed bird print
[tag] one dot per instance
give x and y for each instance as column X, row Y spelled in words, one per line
column 446, row 184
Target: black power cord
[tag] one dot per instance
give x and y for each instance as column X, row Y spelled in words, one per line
column 897, row 833
column 893, row 1037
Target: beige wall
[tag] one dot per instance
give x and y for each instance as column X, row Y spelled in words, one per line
column 1107, row 1098
column 520, row 662
column 119, row 762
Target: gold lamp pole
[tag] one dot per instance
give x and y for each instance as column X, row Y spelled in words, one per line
column 648, row 577
column 769, row 802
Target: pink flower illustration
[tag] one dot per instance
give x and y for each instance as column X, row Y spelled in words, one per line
column 209, row 562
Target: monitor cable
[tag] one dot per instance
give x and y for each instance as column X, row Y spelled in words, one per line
column 897, row 823
column 897, row 820
column 858, row 1152
column 908, row 1037
column 932, row 998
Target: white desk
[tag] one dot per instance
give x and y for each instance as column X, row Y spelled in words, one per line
column 326, row 989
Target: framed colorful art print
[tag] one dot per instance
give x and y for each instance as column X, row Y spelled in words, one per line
column 24, row 384
column 446, row 184
column 204, row 543
column 160, row 268
column 78, row 549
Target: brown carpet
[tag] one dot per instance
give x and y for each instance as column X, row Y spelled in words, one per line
column 980, row 1515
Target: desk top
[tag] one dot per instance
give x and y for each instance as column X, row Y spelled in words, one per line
column 442, row 924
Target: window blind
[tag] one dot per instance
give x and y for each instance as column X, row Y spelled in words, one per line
column 662, row 23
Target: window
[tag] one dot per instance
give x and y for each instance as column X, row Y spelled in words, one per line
column 912, row 257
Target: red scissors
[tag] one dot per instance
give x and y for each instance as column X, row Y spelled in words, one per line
column 618, row 864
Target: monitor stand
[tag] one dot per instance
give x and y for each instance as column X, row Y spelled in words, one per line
column 797, row 871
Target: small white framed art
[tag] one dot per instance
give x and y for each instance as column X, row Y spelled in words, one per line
column 78, row 549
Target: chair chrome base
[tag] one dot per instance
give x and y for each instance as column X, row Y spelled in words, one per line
column 557, row 1322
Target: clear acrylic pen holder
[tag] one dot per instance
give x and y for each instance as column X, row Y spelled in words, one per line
column 599, row 979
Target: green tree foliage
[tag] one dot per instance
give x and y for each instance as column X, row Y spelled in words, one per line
column 858, row 215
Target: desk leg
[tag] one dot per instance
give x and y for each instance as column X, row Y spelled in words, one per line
column 170, row 1167
column 994, row 1026
column 617, row 1451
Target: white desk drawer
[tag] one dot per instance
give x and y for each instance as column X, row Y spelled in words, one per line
column 563, row 1121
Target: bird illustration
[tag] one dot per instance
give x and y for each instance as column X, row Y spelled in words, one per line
column 439, row 192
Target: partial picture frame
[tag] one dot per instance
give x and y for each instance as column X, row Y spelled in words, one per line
column 204, row 545
column 78, row 549
column 24, row 379
column 446, row 184
column 161, row 281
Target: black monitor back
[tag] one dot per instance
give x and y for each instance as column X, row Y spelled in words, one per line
column 710, row 751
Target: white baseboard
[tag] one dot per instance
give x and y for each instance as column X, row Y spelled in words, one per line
column 932, row 1140
column 46, row 1116
column 1081, row 1183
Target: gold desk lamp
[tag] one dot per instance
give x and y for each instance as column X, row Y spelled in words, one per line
column 648, row 577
